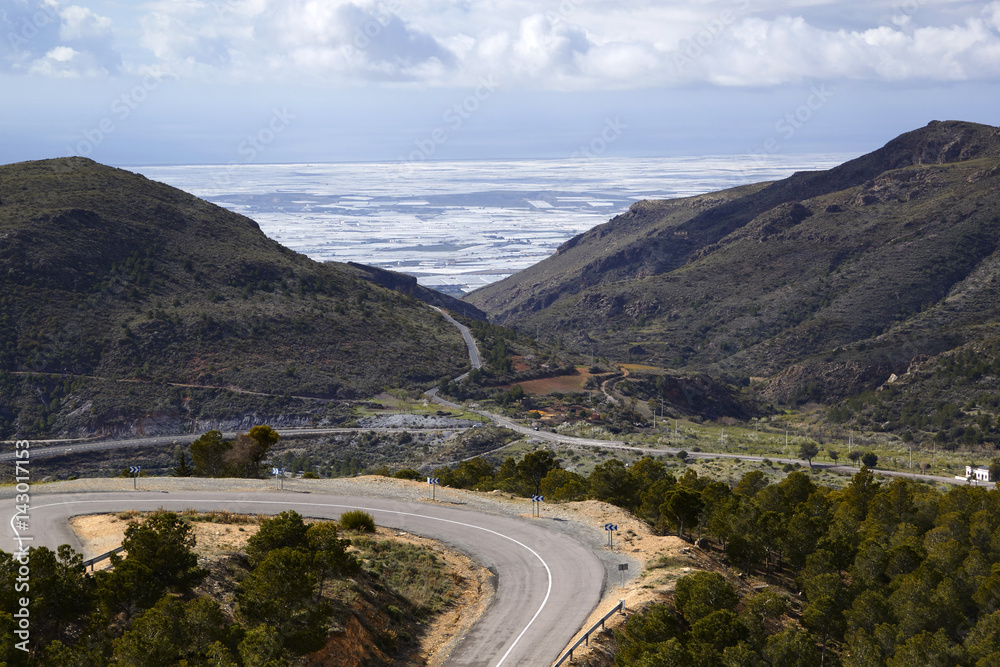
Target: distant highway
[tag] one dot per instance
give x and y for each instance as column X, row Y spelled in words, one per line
column 619, row 445
column 75, row 447
column 470, row 341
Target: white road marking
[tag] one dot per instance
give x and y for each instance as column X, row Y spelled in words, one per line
column 548, row 572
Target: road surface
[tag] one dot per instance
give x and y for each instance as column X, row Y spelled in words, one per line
column 77, row 446
column 547, row 582
column 470, row 342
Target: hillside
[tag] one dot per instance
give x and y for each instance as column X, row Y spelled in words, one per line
column 131, row 306
column 821, row 285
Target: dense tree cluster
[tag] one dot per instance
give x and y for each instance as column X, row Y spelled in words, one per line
column 889, row 574
column 242, row 457
column 893, row 573
column 143, row 612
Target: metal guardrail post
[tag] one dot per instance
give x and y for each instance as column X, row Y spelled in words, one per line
column 97, row 559
column 585, row 639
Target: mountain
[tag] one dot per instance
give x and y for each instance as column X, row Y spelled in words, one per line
column 818, row 286
column 128, row 305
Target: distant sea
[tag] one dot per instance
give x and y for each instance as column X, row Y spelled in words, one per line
column 458, row 226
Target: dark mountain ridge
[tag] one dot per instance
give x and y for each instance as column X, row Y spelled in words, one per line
column 819, row 286
column 656, row 237
column 125, row 301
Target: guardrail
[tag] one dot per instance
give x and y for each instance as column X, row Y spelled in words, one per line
column 585, row 639
column 90, row 562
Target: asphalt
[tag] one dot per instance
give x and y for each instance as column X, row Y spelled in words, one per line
column 547, row 582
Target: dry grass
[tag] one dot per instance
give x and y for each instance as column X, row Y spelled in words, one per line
column 560, row 384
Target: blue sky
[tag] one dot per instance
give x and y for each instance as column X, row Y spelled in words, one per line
column 240, row 81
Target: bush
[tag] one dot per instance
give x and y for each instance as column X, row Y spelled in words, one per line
column 357, row 520
column 409, row 473
column 285, row 530
column 870, row 459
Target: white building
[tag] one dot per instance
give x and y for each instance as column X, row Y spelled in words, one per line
column 978, row 473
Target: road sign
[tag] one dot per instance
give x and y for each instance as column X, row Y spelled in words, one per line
column 433, row 480
column 135, row 475
column 134, row 469
column 275, row 471
column 623, row 566
column 610, row 526
column 537, row 499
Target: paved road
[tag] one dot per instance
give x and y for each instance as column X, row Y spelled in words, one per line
column 39, row 449
column 470, row 342
column 547, row 582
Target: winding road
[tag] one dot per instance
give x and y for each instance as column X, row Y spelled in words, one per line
column 547, row 582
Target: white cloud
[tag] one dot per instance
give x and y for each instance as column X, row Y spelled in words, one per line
column 44, row 38
column 79, row 23
column 66, row 63
column 293, row 40
column 537, row 44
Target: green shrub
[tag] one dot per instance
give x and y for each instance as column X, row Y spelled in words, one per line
column 358, row 520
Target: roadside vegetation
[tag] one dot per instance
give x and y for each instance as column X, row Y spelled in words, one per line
column 297, row 594
column 873, row 573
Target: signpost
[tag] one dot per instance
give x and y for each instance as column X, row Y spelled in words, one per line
column 135, row 475
column 623, row 568
column 536, row 505
column 279, row 477
column 433, row 482
column 611, row 528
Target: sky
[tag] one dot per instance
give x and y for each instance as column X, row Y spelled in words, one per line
column 128, row 82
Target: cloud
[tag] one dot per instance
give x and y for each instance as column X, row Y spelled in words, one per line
column 294, row 40
column 555, row 44
column 41, row 37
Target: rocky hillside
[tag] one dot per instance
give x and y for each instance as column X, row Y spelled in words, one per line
column 126, row 301
column 820, row 285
